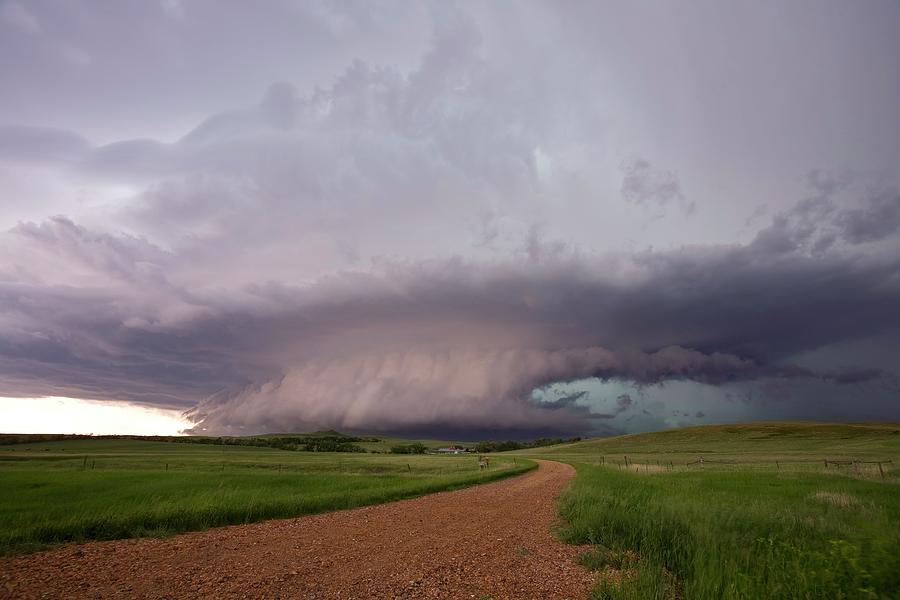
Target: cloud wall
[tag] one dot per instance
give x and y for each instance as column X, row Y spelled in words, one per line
column 420, row 220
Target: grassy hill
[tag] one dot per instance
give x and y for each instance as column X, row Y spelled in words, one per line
column 761, row 518
column 746, row 443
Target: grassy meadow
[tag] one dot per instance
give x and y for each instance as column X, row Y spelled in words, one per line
column 762, row 517
column 766, row 445
column 86, row 489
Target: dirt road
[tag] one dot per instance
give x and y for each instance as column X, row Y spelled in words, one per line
column 489, row 541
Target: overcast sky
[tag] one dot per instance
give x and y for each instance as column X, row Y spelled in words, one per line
column 482, row 218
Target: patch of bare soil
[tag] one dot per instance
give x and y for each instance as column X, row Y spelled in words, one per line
column 489, row 541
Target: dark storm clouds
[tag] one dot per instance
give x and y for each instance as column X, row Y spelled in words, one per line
column 438, row 343
column 419, row 242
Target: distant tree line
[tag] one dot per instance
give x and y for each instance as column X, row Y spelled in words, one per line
column 26, row 438
column 485, row 447
column 317, row 442
column 414, row 448
column 325, row 441
column 296, row 443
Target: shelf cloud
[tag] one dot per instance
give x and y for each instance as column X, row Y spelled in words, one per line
column 426, row 231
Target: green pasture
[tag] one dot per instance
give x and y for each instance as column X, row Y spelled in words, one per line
column 745, row 444
column 761, row 518
column 88, row 489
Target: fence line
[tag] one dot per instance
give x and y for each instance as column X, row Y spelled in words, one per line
column 670, row 465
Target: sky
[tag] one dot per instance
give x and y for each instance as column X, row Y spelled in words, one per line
column 481, row 219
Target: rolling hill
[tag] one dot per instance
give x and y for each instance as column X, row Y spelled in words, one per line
column 751, row 442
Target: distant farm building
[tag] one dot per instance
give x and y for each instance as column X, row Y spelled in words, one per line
column 452, row 450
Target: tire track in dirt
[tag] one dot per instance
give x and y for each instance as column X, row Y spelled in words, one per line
column 488, row 541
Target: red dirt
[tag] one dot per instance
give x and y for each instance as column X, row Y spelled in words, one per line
column 488, row 541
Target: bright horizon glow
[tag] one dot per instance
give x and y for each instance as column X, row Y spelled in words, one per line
column 58, row 414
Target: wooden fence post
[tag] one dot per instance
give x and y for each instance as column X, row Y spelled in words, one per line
column 626, row 462
column 880, row 470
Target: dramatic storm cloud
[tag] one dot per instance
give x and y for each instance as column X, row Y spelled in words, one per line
column 474, row 218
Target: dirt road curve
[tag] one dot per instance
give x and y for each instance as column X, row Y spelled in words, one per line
column 489, row 541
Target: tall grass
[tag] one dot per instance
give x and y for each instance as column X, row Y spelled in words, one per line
column 736, row 535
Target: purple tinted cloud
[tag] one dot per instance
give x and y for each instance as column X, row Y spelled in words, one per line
column 450, row 342
column 415, row 236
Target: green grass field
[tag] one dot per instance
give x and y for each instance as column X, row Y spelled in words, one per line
column 761, row 518
column 106, row 488
column 747, row 444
